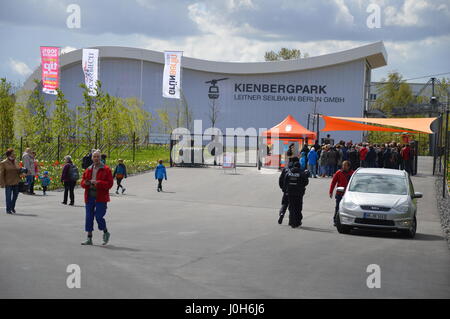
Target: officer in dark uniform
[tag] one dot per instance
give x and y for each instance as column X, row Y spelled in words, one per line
column 295, row 183
column 284, row 199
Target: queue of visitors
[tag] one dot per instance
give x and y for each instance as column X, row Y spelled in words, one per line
column 326, row 159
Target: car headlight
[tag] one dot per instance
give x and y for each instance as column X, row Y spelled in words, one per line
column 404, row 208
column 349, row 205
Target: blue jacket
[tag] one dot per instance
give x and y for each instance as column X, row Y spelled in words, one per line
column 312, row 157
column 303, row 161
column 160, row 172
column 45, row 181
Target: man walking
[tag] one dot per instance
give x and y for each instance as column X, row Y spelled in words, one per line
column 97, row 181
column 285, row 199
column 406, row 156
column 340, row 179
column 295, row 183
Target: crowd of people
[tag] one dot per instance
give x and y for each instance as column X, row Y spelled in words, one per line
column 97, row 179
column 324, row 160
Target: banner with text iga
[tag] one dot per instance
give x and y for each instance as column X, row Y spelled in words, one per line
column 172, row 74
column 90, row 69
column 50, row 69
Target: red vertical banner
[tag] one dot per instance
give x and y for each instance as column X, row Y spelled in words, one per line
column 50, row 69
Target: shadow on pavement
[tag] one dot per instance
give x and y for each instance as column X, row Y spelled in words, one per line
column 112, row 247
column 393, row 234
column 322, row 230
column 25, row 215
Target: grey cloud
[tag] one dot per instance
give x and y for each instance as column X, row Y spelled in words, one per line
column 167, row 18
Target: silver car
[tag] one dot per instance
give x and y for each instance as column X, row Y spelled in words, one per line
column 379, row 198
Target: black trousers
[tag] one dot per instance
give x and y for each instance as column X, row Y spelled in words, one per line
column 295, row 210
column 69, row 189
column 119, row 183
column 284, row 204
column 159, row 183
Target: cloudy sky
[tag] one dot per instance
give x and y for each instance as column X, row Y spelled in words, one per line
column 416, row 33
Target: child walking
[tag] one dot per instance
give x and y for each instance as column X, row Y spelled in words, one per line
column 45, row 181
column 160, row 173
column 120, row 172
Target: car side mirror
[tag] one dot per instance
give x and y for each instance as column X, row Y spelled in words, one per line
column 417, row 195
column 340, row 189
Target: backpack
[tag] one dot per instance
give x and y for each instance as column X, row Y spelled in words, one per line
column 294, row 184
column 74, row 175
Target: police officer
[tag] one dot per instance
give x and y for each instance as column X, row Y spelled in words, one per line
column 284, row 199
column 294, row 185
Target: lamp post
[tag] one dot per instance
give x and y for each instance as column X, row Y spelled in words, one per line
column 446, row 144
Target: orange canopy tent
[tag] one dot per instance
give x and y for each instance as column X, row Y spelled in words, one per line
column 290, row 129
column 418, row 125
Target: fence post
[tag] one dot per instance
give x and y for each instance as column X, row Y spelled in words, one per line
column 57, row 151
column 134, row 146
column 21, row 146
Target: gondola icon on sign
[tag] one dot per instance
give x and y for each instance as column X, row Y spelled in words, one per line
column 213, row 91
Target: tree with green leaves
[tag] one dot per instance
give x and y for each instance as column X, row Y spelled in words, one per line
column 284, row 54
column 7, row 101
column 61, row 117
column 393, row 92
column 85, row 114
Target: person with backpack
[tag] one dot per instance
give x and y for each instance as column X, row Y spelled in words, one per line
column 160, row 173
column 285, row 199
column 69, row 178
column 295, row 184
column 120, row 172
column 340, row 179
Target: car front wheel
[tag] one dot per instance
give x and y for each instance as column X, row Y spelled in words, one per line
column 342, row 229
column 411, row 233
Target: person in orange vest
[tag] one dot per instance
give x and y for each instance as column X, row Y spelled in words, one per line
column 340, row 179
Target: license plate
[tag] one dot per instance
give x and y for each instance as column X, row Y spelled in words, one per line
column 375, row 216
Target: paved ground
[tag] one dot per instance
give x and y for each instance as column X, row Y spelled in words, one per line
column 214, row 235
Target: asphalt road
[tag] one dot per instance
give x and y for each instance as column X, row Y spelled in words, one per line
column 215, row 235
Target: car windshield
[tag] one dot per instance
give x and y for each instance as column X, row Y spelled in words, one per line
column 379, row 184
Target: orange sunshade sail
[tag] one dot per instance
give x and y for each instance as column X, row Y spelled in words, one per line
column 338, row 124
column 420, row 124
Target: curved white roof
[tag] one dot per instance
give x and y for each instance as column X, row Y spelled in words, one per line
column 374, row 53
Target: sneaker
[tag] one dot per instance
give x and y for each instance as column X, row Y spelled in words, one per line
column 158, row 190
column 123, row 190
column 64, row 203
column 117, row 192
column 13, row 211
column 280, row 219
column 106, row 237
column 87, row 242
column 9, row 212
column 71, row 204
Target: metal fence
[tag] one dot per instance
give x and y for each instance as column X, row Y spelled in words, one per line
column 54, row 149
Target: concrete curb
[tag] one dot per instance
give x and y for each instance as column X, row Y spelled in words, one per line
column 444, row 209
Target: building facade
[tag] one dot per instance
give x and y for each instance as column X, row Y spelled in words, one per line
column 247, row 95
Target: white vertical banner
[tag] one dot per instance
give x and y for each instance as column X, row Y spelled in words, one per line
column 90, row 69
column 172, row 74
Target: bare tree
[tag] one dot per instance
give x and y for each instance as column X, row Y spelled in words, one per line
column 213, row 112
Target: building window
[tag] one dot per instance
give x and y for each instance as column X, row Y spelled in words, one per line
column 373, row 97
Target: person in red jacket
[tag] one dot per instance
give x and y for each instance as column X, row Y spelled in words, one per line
column 97, row 181
column 340, row 179
column 362, row 155
column 406, row 156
